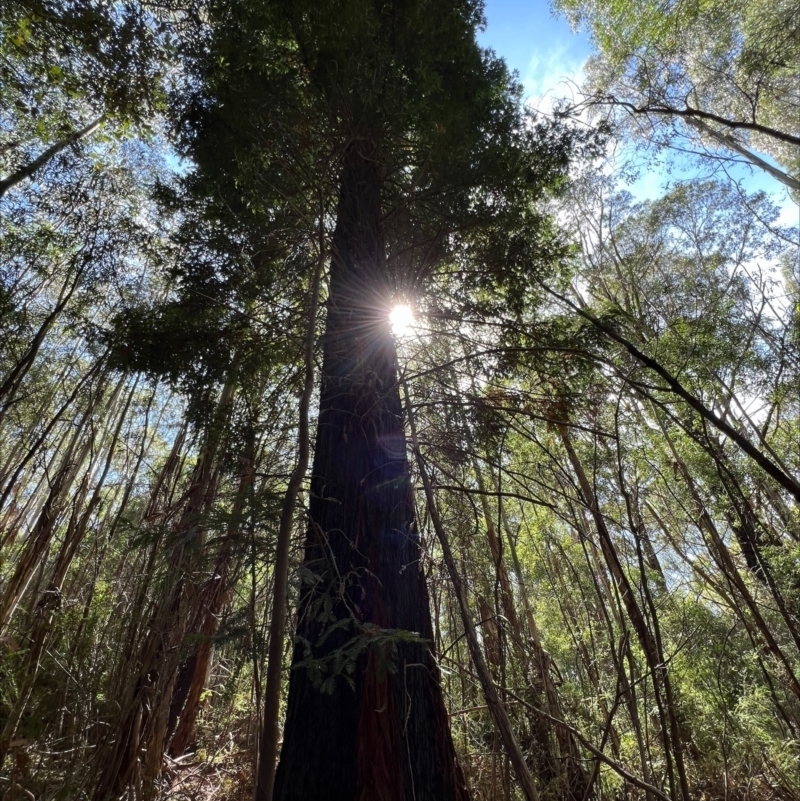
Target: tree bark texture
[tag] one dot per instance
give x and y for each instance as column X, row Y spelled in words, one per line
column 379, row 731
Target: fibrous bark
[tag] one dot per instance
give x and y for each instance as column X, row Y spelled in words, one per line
column 379, row 730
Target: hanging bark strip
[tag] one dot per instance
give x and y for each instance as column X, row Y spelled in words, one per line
column 496, row 707
column 379, row 731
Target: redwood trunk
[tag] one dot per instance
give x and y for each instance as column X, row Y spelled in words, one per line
column 386, row 737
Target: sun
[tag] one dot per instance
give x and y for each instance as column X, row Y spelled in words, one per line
column 401, row 319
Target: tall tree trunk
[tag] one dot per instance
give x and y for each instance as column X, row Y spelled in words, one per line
column 268, row 746
column 493, row 702
column 378, row 730
column 27, row 170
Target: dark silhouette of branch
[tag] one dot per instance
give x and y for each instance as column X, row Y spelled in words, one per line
column 774, row 471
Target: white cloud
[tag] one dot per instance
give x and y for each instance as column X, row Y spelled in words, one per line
column 551, row 75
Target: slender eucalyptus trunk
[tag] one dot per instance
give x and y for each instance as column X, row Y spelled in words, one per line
column 722, row 556
column 214, row 598
column 649, row 642
column 557, row 754
column 493, row 701
column 50, row 600
column 35, row 448
column 768, row 465
column 268, row 747
column 38, row 542
column 29, row 169
column 134, row 752
column 13, row 381
column 729, row 141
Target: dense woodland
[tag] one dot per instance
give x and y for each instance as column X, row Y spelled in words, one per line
column 542, row 543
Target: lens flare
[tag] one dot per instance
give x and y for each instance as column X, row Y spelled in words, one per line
column 401, row 319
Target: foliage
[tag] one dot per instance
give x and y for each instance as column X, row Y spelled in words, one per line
column 722, row 75
column 631, row 569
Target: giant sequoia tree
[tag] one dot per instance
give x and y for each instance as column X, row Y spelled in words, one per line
column 425, row 141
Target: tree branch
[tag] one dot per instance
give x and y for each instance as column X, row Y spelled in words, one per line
column 27, row 170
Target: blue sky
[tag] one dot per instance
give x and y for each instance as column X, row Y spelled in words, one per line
column 538, row 45
column 549, row 57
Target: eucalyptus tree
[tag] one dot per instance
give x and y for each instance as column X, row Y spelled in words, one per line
column 68, row 68
column 722, row 76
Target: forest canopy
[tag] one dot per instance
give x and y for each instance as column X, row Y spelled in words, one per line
column 366, row 434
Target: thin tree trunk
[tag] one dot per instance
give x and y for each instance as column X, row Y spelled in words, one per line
column 215, row 596
column 564, row 762
column 40, row 536
column 268, row 747
column 73, row 539
column 35, row 448
column 496, row 707
column 13, row 381
column 51, row 598
column 27, row 170
column 655, row 658
column 141, row 731
column 609, row 605
column 722, row 556
column 787, row 481
column 134, row 473
column 728, row 141
column 22, row 436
